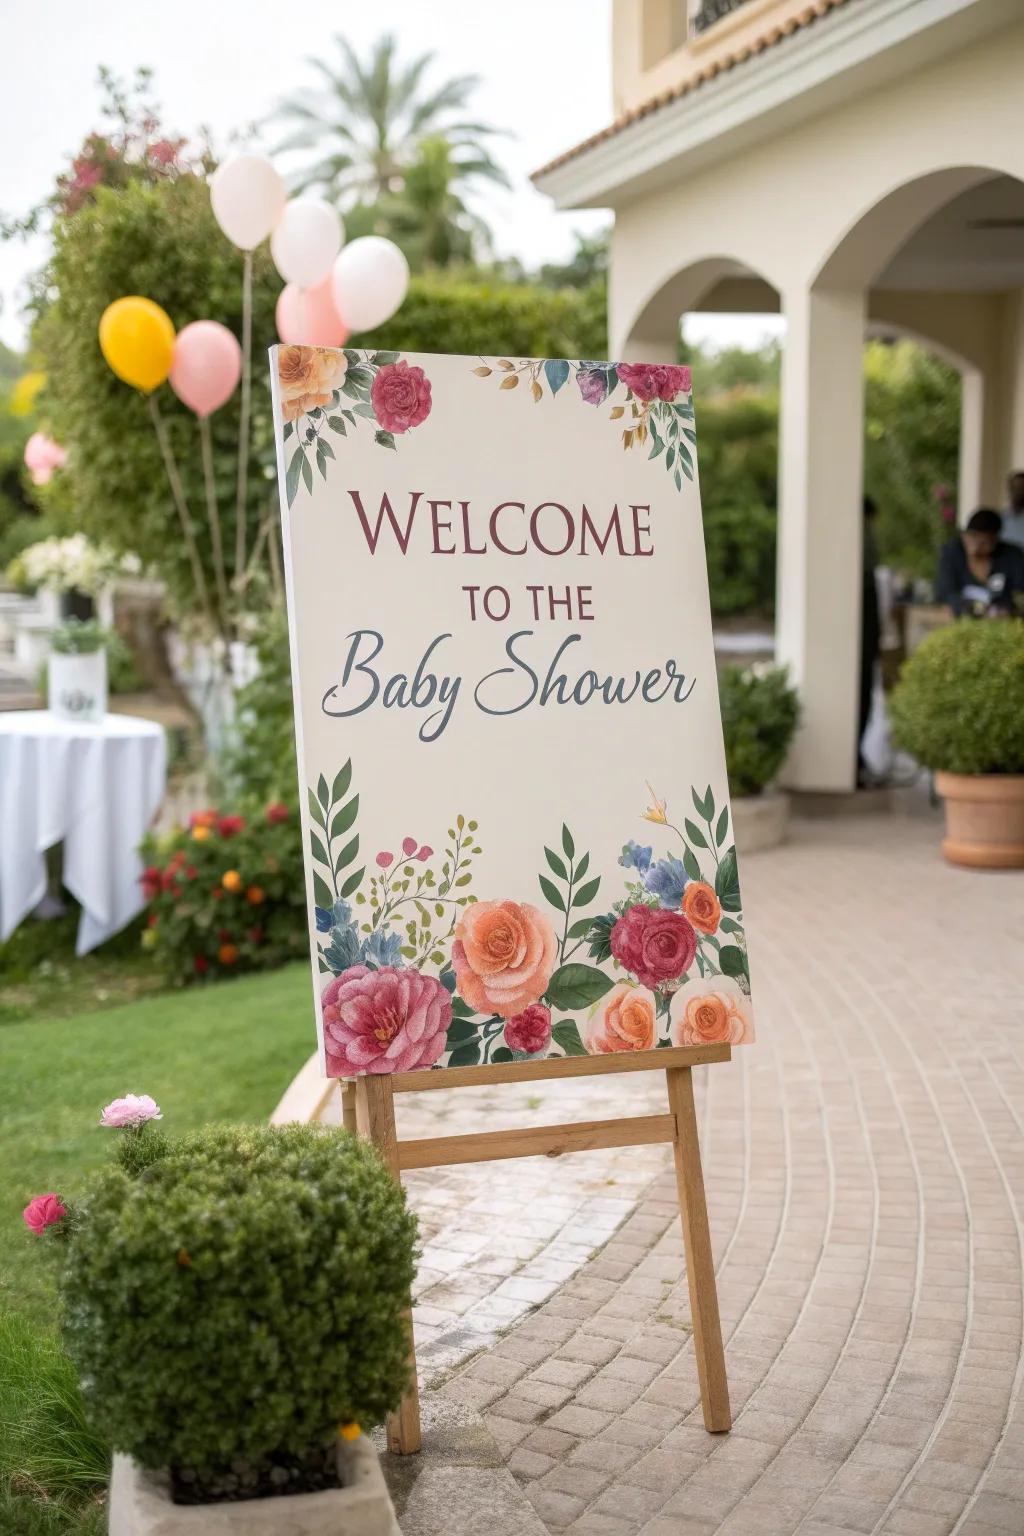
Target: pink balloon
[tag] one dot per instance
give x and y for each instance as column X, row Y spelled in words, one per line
column 207, row 366
column 306, row 317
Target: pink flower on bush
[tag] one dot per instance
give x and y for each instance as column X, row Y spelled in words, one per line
column 390, row 1020
column 653, row 944
column 44, row 1211
column 655, row 381
column 400, row 396
column 530, row 1030
column 133, row 1109
column 42, row 457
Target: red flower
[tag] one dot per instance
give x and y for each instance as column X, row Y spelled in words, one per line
column 152, row 920
column 530, row 1030
column 654, row 945
column 655, row 381
column 400, row 396
column 44, row 1211
column 229, row 826
column 202, row 819
column 277, row 813
column 255, row 935
column 191, row 872
column 390, row 1020
column 200, row 965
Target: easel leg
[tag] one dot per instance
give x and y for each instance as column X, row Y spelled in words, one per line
column 700, row 1269
column 348, row 1104
column 375, row 1121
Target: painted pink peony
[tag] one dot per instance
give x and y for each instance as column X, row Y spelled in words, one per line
column 655, row 381
column 44, row 1211
column 530, row 1030
column 133, row 1109
column 390, row 1020
column 654, row 945
column 712, row 1010
column 400, row 396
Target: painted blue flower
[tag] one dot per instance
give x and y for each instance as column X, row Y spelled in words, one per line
column 635, row 857
column 382, row 948
column 667, row 880
column 324, row 920
column 344, row 950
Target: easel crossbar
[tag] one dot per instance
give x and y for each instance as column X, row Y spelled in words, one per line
column 663, row 1060
column 540, row 1140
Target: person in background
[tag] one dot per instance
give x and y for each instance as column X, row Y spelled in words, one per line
column 870, row 635
column 1013, row 516
column 981, row 575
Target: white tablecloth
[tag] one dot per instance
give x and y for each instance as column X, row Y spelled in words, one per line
column 94, row 787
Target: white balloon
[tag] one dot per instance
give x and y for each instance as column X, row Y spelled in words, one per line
column 247, row 196
column 370, row 279
column 305, row 241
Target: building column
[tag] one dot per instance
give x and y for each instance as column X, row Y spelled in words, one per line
column 972, row 443
column 818, row 583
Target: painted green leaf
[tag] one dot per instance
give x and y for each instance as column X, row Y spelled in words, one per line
column 694, row 833
column 567, row 843
column 307, row 473
column 581, row 929
column 322, row 893
column 501, row 1055
column 461, row 1030
column 586, row 893
column 730, row 925
column 324, row 447
column 722, row 827
column 347, row 854
column 321, row 461
column 733, row 961
column 322, row 792
column 566, row 1034
column 352, row 883
column 319, row 851
column 556, row 371
column 557, row 867
column 342, row 780
column 384, row 439
column 690, row 864
column 315, row 811
column 704, row 804
column 577, row 986
column 461, row 1010
column 552, row 893
column 289, row 428
column 291, row 479
column 337, row 424
column 345, row 817
column 582, row 867
column 727, row 882
column 465, row 1055
column 382, row 359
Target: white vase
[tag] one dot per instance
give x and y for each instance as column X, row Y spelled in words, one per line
column 140, row 1504
column 76, row 686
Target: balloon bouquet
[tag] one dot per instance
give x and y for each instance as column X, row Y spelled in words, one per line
column 330, row 291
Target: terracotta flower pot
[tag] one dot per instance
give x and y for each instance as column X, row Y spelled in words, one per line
column 984, row 819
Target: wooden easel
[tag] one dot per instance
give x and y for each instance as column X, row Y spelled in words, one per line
column 368, row 1107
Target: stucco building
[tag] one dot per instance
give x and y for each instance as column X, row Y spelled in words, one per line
column 857, row 165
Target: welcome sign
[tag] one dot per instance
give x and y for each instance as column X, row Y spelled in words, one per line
column 517, row 830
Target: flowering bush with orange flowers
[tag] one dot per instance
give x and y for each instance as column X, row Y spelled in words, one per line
column 225, row 894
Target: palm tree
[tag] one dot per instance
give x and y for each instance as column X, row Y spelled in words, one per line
column 367, row 125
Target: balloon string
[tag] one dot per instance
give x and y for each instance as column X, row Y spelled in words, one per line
column 178, row 496
column 213, row 510
column 243, row 423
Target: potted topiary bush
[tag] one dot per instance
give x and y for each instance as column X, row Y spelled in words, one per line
column 233, row 1304
column 958, row 708
column 760, row 713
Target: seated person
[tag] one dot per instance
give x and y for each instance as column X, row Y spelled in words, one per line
column 980, row 575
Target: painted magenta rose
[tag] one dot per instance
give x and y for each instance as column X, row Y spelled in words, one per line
column 701, row 906
column 654, row 945
column 624, row 1020
column 390, row 1020
column 711, row 1010
column 308, row 376
column 400, row 396
column 504, row 954
column 655, row 381
column 530, row 1030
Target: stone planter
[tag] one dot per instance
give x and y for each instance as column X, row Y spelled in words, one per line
column 984, row 819
column 76, row 685
column 760, row 821
column 140, row 1505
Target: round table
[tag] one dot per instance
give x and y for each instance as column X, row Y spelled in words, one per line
column 94, row 787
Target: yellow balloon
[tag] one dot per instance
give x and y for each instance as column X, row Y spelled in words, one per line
column 23, row 395
column 137, row 340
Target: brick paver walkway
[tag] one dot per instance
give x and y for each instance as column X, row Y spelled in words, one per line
column 865, row 1171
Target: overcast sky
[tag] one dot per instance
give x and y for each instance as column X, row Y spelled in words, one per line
column 544, row 67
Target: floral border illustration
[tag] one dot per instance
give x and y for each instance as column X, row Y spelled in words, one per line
column 658, row 403
column 417, row 971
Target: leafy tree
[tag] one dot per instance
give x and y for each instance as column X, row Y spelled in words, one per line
column 369, row 122
column 588, row 263
column 428, row 218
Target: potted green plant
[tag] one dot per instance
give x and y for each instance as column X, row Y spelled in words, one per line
column 760, row 713
column 958, row 708
column 233, row 1304
column 76, row 674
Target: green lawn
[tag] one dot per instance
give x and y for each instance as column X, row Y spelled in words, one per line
column 221, row 1052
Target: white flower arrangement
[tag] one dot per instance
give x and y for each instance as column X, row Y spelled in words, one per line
column 60, row 565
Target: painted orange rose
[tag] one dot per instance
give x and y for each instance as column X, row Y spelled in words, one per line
column 624, row 1020
column 711, row 1010
column 702, row 906
column 504, row 954
column 307, row 376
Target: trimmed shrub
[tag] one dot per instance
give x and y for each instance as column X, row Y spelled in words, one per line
column 760, row 713
column 740, row 545
column 226, row 894
column 241, row 1298
column 959, row 702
